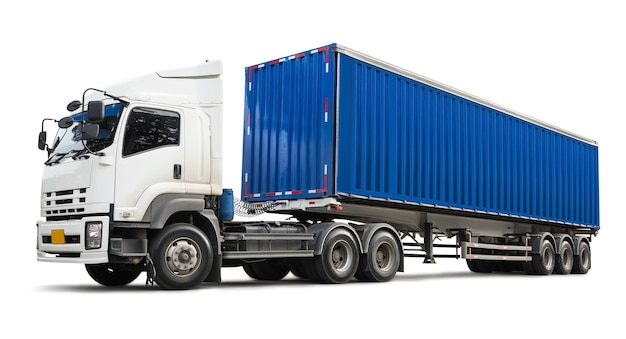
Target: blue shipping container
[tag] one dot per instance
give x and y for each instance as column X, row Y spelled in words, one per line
column 336, row 122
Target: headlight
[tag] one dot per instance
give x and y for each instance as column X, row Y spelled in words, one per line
column 93, row 235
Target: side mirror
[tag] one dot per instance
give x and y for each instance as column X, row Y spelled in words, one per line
column 95, row 111
column 74, row 105
column 90, row 132
column 42, row 140
column 65, row 122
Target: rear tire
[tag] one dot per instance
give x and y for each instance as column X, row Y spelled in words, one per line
column 472, row 265
column 339, row 259
column 481, row 266
column 382, row 260
column 565, row 260
column 112, row 274
column 297, row 270
column 544, row 262
column 266, row 270
column 582, row 261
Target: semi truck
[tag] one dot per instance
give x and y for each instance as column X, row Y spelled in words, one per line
column 369, row 164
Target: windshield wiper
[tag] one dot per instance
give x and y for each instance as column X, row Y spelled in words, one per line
column 60, row 155
column 80, row 154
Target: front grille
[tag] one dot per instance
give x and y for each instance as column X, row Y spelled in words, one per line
column 66, row 202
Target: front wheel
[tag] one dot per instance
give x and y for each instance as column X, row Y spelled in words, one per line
column 182, row 256
column 112, row 274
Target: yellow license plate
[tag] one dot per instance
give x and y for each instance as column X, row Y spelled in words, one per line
column 58, row 236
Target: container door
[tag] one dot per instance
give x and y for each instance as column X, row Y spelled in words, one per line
column 289, row 127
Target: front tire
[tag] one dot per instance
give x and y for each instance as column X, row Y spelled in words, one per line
column 182, row 257
column 112, row 274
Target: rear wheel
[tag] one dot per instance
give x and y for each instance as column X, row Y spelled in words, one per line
column 481, row 266
column 472, row 265
column 182, row 256
column 339, row 259
column 382, row 260
column 565, row 260
column 112, row 274
column 266, row 270
column 582, row 261
column 297, row 270
column 544, row 262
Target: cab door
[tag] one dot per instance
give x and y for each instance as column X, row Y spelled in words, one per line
column 150, row 160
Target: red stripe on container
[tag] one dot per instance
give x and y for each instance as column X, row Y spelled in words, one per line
column 325, row 49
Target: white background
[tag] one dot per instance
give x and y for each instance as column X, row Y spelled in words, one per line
column 559, row 61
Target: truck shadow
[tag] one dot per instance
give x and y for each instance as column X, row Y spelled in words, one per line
column 289, row 281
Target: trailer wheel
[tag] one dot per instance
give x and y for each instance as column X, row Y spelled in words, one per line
column 528, row 267
column 505, row 266
column 565, row 260
column 544, row 262
column 112, row 274
column 480, row 266
column 582, row 261
column 182, row 256
column 472, row 265
column 339, row 259
column 266, row 270
column 381, row 261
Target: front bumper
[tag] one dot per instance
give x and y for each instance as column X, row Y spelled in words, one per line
column 64, row 241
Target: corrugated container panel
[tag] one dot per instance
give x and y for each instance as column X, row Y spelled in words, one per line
column 403, row 140
column 289, row 127
column 336, row 122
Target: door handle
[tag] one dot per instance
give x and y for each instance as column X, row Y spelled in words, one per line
column 177, row 171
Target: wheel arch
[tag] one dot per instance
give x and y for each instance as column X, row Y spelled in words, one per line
column 322, row 230
column 560, row 239
column 578, row 241
column 536, row 239
column 168, row 208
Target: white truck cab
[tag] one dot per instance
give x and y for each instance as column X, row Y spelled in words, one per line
column 144, row 150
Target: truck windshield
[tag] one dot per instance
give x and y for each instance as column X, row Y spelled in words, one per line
column 68, row 141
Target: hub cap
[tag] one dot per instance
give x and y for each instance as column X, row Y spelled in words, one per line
column 182, row 256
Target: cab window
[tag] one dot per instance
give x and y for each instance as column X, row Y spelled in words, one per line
column 149, row 128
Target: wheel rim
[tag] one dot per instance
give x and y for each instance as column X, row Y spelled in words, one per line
column 548, row 258
column 568, row 258
column 585, row 258
column 341, row 257
column 384, row 257
column 182, row 256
